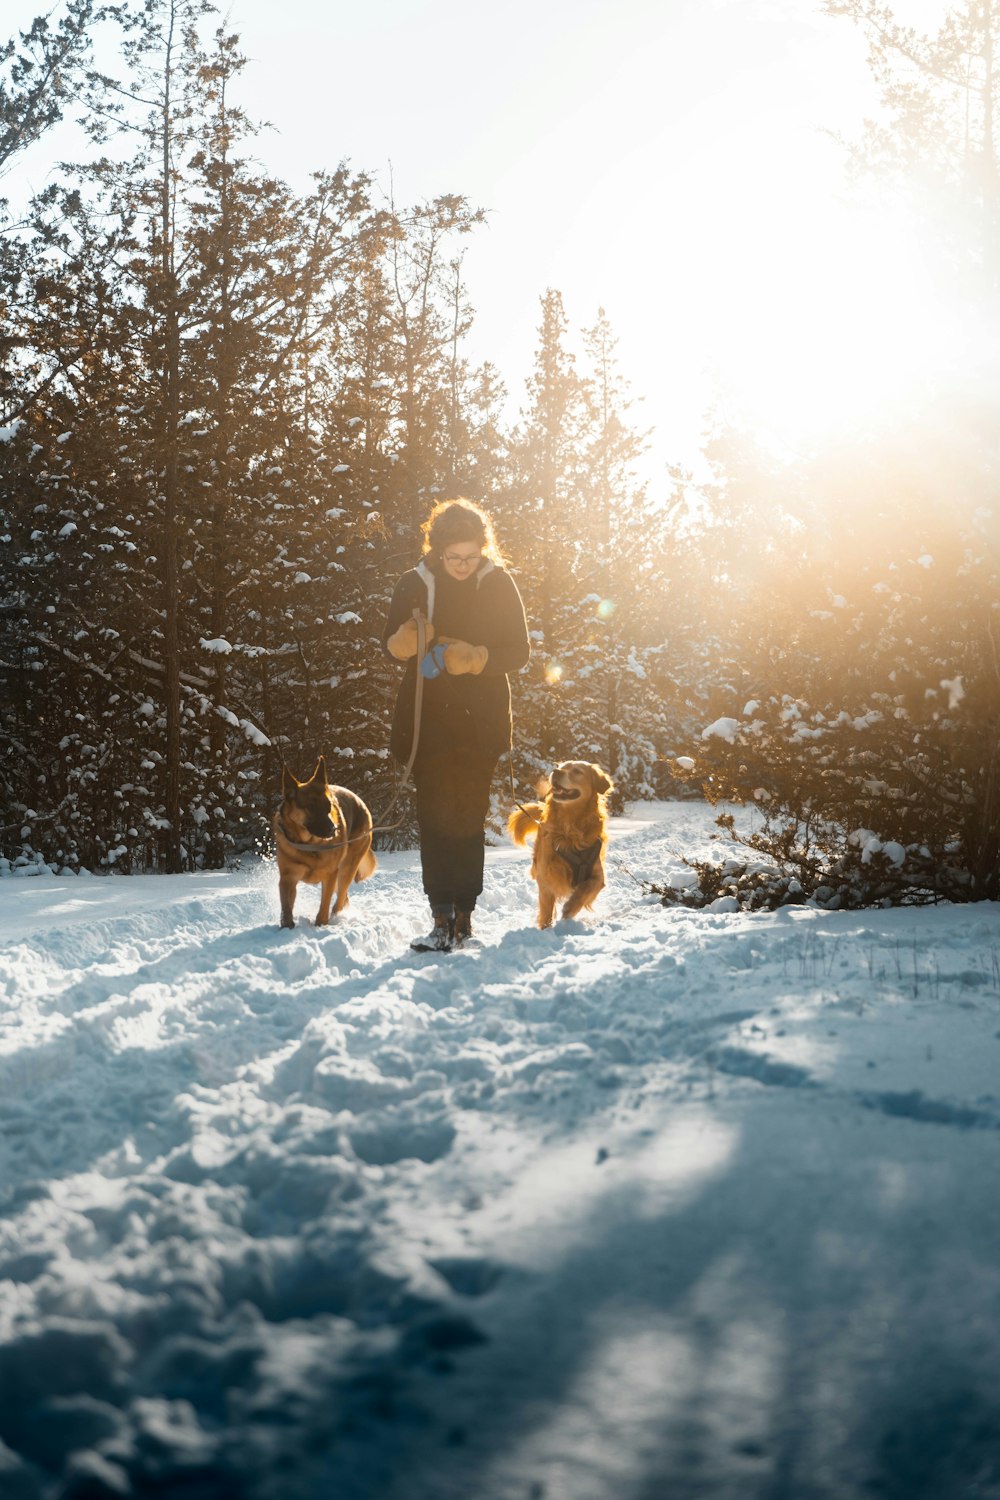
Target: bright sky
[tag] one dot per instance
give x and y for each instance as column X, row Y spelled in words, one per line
column 670, row 160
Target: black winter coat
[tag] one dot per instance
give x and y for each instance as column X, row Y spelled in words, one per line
column 485, row 610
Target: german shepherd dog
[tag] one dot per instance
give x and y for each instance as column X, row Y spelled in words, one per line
column 570, row 833
column 324, row 837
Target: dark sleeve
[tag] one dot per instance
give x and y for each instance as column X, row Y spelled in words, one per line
column 404, row 601
column 506, row 637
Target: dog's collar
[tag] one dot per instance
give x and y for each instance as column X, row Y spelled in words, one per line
column 323, row 848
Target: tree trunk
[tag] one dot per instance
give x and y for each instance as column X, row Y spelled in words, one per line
column 218, row 743
column 990, row 184
column 168, row 534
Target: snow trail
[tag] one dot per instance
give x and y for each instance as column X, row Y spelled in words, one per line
column 657, row 1202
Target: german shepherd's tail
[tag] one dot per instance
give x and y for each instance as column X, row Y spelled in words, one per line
column 368, row 866
column 523, row 822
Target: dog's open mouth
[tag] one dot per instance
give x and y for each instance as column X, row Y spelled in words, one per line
column 565, row 793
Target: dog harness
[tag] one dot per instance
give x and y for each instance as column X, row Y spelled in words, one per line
column 580, row 861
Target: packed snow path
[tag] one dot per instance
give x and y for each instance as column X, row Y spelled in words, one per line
column 655, row 1205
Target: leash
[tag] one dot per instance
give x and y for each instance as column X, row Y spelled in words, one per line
column 418, row 703
column 513, row 790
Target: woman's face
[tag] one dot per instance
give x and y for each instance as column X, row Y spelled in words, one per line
column 461, row 559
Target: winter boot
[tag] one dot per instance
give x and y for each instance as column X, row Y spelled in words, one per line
column 463, row 928
column 440, row 939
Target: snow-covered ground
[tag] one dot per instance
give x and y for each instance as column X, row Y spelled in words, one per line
column 655, row 1205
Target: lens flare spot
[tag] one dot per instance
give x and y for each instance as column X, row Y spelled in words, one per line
column 606, row 609
column 554, row 673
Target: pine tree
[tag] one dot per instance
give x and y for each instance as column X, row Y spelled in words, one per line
column 621, row 576
column 42, row 72
column 941, row 96
column 427, row 316
column 204, row 350
column 271, row 273
column 546, row 505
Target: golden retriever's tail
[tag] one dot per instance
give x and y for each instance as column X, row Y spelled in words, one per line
column 368, row 866
column 523, row 822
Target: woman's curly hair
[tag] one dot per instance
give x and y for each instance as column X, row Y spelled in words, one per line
column 461, row 520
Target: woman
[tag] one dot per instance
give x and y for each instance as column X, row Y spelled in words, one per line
column 475, row 634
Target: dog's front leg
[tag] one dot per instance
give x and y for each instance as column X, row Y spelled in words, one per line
column 546, row 907
column 329, row 886
column 584, row 895
column 286, row 891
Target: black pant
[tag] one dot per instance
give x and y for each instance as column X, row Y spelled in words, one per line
column 453, row 798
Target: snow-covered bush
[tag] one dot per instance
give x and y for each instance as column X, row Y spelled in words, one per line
column 862, row 717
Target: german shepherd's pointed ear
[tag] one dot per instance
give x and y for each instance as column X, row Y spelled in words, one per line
column 289, row 785
column 320, row 772
column 602, row 781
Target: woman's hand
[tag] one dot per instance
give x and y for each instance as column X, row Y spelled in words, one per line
column 404, row 643
column 454, row 657
column 460, row 657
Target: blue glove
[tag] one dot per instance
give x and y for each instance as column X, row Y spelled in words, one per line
column 433, row 663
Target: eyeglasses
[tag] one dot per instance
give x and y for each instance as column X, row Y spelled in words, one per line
column 459, row 560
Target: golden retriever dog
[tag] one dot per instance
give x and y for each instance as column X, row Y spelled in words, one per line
column 570, row 833
column 323, row 835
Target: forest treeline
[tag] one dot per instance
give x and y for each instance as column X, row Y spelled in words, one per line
column 228, row 408
column 228, row 405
